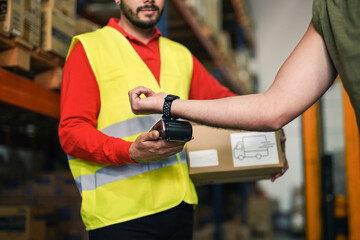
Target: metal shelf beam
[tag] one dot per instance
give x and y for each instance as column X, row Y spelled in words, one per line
column 24, row 93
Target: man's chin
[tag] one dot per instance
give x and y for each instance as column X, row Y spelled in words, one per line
column 146, row 24
column 148, row 18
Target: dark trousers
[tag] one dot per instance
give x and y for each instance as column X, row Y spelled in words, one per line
column 173, row 224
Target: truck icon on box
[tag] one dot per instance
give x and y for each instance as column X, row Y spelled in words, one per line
column 252, row 147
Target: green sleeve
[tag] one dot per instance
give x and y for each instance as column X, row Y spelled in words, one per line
column 316, row 14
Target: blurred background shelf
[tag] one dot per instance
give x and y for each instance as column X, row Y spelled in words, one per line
column 40, row 59
column 22, row 92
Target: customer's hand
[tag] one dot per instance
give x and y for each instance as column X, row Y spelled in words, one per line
column 148, row 147
column 153, row 103
column 286, row 165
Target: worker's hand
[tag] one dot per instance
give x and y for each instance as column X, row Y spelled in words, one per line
column 148, row 147
column 286, row 165
column 153, row 103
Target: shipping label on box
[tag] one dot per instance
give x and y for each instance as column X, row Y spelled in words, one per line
column 204, row 158
column 3, row 10
column 221, row 156
column 11, row 16
column 254, row 149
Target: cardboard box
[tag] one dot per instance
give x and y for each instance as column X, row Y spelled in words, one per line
column 18, row 223
column 83, row 26
column 15, row 222
column 15, row 57
column 223, row 156
column 50, row 78
column 38, row 229
column 32, row 22
column 57, row 31
column 260, row 216
column 66, row 7
column 11, row 16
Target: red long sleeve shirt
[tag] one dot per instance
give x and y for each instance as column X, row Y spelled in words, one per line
column 80, row 101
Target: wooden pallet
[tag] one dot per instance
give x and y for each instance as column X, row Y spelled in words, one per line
column 30, row 61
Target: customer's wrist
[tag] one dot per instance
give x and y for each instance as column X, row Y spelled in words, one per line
column 168, row 101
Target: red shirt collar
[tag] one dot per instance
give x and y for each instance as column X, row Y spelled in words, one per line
column 113, row 22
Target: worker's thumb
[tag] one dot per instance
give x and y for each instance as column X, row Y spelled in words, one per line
column 153, row 135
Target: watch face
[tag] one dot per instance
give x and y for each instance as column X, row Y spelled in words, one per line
column 171, row 97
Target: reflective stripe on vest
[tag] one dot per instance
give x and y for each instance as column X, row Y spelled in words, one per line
column 112, row 173
column 130, row 127
column 115, row 173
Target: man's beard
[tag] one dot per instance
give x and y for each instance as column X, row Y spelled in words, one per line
column 133, row 17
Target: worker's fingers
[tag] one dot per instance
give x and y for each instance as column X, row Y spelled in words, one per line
column 136, row 92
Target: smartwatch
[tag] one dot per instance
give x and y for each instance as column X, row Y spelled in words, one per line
column 167, row 105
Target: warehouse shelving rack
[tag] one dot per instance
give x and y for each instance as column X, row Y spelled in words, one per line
column 20, row 91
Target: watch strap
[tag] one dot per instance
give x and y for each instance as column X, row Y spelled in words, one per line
column 167, row 105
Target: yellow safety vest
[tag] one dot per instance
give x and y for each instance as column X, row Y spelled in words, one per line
column 113, row 194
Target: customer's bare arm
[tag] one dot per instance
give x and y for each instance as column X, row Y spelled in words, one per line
column 301, row 80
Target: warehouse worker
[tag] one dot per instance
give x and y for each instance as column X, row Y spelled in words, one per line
column 125, row 194
column 329, row 47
